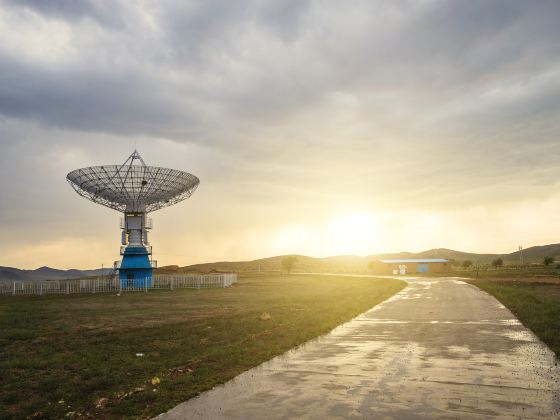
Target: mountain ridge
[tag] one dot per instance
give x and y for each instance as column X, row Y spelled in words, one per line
column 305, row 263
column 352, row 262
column 46, row 273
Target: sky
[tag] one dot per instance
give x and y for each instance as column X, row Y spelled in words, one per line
column 316, row 127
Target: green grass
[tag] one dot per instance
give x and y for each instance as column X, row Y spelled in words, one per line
column 537, row 306
column 80, row 348
column 510, row 272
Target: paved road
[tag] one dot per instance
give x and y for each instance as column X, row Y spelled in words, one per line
column 438, row 349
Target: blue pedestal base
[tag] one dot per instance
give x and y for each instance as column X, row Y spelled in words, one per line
column 135, row 270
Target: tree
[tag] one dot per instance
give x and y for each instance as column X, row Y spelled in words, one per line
column 498, row 262
column 467, row 264
column 289, row 262
column 548, row 260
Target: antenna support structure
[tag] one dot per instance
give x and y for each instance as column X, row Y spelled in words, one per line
column 135, row 190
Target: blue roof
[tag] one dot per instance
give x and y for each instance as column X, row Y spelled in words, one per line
column 428, row 260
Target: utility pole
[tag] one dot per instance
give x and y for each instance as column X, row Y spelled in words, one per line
column 521, row 254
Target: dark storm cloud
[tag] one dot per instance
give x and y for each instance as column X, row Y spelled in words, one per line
column 125, row 103
column 252, row 62
column 70, row 10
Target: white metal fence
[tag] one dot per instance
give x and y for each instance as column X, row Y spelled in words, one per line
column 114, row 284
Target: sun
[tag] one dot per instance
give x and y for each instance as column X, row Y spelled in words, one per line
column 349, row 233
column 354, row 233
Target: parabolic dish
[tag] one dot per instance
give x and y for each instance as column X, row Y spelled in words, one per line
column 133, row 188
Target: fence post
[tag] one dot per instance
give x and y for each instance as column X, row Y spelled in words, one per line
column 172, row 281
column 41, row 288
column 146, row 284
column 198, row 282
column 14, row 291
column 67, row 288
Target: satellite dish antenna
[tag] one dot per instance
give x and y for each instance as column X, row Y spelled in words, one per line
column 134, row 189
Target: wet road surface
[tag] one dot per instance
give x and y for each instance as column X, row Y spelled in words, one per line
column 440, row 348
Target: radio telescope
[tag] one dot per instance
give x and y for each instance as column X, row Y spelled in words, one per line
column 134, row 189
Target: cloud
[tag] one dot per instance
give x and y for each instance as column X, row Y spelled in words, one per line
column 172, row 67
column 70, row 10
column 430, row 105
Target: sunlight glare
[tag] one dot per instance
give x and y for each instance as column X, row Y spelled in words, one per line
column 354, row 233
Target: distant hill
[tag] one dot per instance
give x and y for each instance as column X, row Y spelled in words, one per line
column 46, row 273
column 352, row 263
column 272, row 264
column 339, row 263
column 536, row 253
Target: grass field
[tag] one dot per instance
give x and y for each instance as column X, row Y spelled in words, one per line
column 541, row 273
column 537, row 305
column 62, row 354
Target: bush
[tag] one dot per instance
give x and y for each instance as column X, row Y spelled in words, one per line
column 498, row 262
